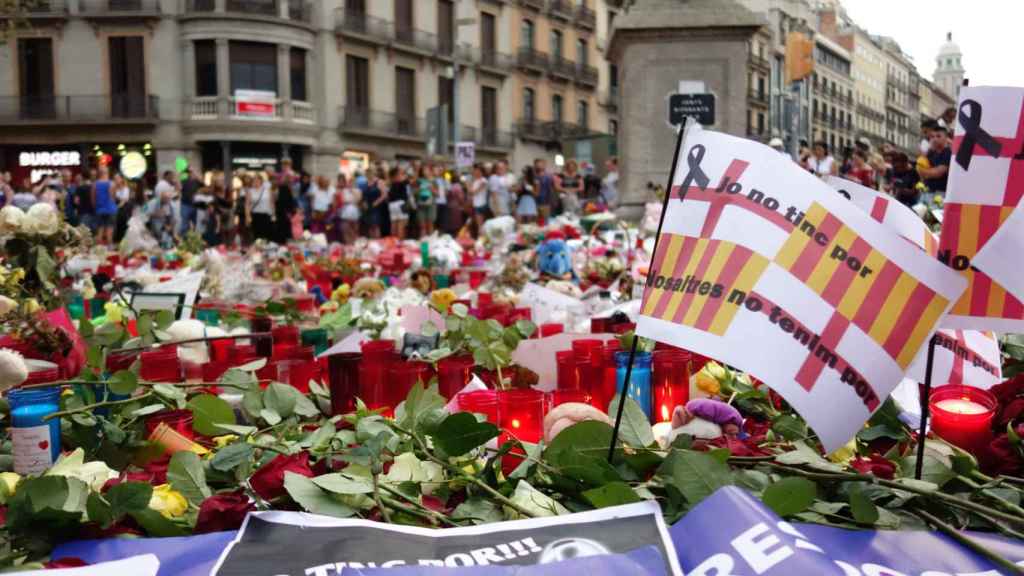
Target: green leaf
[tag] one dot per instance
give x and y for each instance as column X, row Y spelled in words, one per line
column 790, row 427
column 208, row 411
column 144, row 325
column 420, row 401
column 238, row 379
column 164, row 318
column 271, row 416
column 98, row 510
column 1011, row 434
column 128, row 497
column 278, row 399
column 611, row 494
column 635, row 429
column 589, row 470
column 590, row 438
column 147, row 410
column 804, row 455
column 344, row 483
column 123, row 382
column 238, row 429
column 478, row 509
column 460, row 433
column 157, row 526
column 46, row 268
column 933, row 470
column 186, row 475
column 312, row 498
column 169, row 391
column 231, row 456
column 696, row 474
column 790, row 495
column 863, row 509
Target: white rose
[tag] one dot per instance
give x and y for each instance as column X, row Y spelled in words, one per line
column 13, row 370
column 42, row 219
column 6, row 305
column 11, row 220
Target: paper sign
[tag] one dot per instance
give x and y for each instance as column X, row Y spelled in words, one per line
column 539, row 355
column 964, row 357
column 986, row 183
column 1001, row 256
column 187, row 284
column 267, row 541
column 888, row 211
column 549, row 306
column 763, row 266
column 146, row 565
column 414, row 317
column 350, row 343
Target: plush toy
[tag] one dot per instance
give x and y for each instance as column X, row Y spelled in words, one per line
column 367, row 288
column 442, row 299
column 708, row 410
column 565, row 415
column 554, row 260
column 422, row 281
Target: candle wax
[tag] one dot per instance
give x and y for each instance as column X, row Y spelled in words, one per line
column 961, row 406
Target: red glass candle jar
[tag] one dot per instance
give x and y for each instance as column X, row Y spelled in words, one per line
column 42, row 376
column 599, row 325
column 220, row 350
column 480, row 402
column 962, row 415
column 296, row 373
column 623, row 327
column 483, row 299
column 521, row 413
column 671, row 382
column 378, row 355
column 343, row 380
column 476, row 278
column 178, row 420
column 161, row 365
column 565, row 362
column 453, row 373
column 120, row 361
column 285, row 335
column 264, row 344
column 212, row 371
column 559, row 397
column 404, row 374
column 550, row 329
column 586, row 346
column 609, row 374
column 239, row 355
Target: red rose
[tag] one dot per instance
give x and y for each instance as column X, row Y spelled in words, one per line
column 268, row 481
column 66, row 562
column 876, row 466
column 1010, row 412
column 1002, row 457
column 222, row 512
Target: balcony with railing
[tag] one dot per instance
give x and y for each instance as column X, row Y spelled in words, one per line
column 380, row 124
column 585, row 17
column 297, row 10
column 535, row 4
column 495, row 139
column 532, row 59
column 758, row 96
column 119, row 9
column 759, row 62
column 585, row 75
column 360, row 26
column 610, row 99
column 494, row 62
column 561, row 68
column 542, row 131
column 560, row 9
column 215, row 108
column 35, row 10
column 79, row 109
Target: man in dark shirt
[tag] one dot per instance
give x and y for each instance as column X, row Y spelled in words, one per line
column 189, row 188
column 83, row 201
column 936, row 174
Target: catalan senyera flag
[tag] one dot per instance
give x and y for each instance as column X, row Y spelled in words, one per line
column 986, row 183
column 763, row 266
column 887, row 210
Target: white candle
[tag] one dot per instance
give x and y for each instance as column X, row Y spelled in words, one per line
column 662, row 431
column 961, row 406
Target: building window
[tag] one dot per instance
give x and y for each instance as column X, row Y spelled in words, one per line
column 488, row 37
column 298, row 74
column 556, row 109
column 581, row 52
column 357, row 83
column 583, row 114
column 526, row 35
column 253, row 66
column 556, row 44
column 489, row 114
column 405, row 99
column 403, row 19
column 760, row 122
column 529, row 105
column 446, row 26
column 35, row 76
column 206, row 67
column 613, row 127
column 446, row 95
column 127, row 76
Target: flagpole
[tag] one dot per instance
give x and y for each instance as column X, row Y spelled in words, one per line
column 657, row 237
column 925, row 409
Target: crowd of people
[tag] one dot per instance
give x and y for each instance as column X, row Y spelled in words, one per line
column 905, row 176
column 406, row 200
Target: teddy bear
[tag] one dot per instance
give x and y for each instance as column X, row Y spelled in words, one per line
column 367, row 288
column 554, row 260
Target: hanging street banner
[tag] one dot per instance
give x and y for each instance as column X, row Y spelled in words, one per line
column 765, row 267
column 887, row 210
column 986, row 182
column 267, row 542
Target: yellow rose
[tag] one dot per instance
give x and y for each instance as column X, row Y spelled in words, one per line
column 340, row 294
column 443, row 298
column 844, row 454
column 10, row 481
column 168, row 502
column 31, row 306
column 18, row 274
column 707, row 383
column 222, row 441
column 113, row 312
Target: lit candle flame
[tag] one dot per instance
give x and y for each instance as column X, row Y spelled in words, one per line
column 515, row 423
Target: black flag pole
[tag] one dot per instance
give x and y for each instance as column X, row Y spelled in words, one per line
column 925, row 409
column 657, row 238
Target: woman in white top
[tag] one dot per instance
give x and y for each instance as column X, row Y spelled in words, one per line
column 120, row 190
column 321, row 198
column 478, row 192
column 821, row 163
column 260, row 201
column 349, row 197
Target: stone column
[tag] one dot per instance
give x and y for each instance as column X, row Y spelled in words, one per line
column 189, row 70
column 223, row 71
column 284, row 78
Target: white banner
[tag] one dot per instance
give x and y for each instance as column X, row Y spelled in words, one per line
column 887, row 210
column 765, row 267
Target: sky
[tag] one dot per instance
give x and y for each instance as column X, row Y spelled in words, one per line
column 988, row 32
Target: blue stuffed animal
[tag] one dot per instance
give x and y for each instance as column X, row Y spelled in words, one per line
column 554, row 261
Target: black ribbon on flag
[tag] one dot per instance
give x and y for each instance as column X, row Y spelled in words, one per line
column 970, row 119
column 696, row 174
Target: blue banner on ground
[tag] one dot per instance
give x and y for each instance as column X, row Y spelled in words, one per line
column 729, row 534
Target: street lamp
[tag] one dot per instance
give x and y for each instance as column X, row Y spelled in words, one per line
column 459, row 23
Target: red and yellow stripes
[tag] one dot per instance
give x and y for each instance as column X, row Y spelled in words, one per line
column 692, row 283
column 966, row 228
column 891, row 306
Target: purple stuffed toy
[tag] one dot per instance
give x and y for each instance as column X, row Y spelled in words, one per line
column 715, row 411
